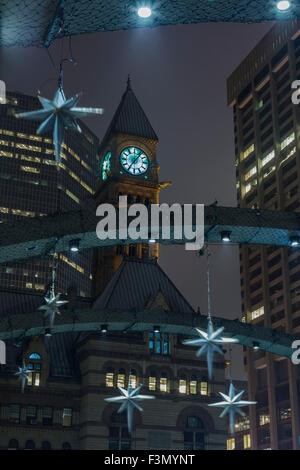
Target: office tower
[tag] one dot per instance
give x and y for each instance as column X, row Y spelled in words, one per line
column 267, row 152
column 32, row 184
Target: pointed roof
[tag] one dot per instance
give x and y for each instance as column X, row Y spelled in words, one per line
column 130, row 118
column 136, row 284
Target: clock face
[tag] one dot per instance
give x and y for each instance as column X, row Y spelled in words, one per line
column 134, row 161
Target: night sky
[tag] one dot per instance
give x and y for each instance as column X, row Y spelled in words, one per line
column 179, row 76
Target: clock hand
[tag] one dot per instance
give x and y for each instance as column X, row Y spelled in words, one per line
column 134, row 161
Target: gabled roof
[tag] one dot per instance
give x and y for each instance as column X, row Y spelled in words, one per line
column 136, row 284
column 130, row 118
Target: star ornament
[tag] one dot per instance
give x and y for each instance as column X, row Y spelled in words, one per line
column 22, row 374
column 210, row 341
column 52, row 306
column 129, row 400
column 57, row 115
column 232, row 405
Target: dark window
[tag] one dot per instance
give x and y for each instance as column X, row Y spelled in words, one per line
column 194, row 434
column 280, row 55
column 275, row 274
column 14, row 413
column 47, row 415
column 31, row 414
column 119, row 437
column 13, row 444
column 261, row 75
column 30, row 445
column 66, row 446
column 46, row 445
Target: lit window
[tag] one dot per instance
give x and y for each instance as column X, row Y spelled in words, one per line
column 34, row 365
column 159, row 343
column 30, row 169
column 121, row 378
column 268, row 158
column 152, row 382
column 182, row 384
column 257, row 313
column 287, row 141
column 247, row 441
column 33, row 148
column 292, row 152
column 193, row 385
column 163, row 384
column 250, row 173
column 264, row 419
column 231, row 444
column 285, row 413
column 247, row 152
column 109, row 378
column 248, row 188
column 132, row 379
column 203, row 387
column 67, row 417
column 259, row 105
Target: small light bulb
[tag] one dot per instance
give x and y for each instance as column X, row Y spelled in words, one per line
column 283, row 5
column 144, row 12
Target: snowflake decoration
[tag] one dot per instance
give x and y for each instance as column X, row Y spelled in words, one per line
column 23, row 375
column 52, row 306
column 209, row 342
column 58, row 115
column 129, row 400
column 232, row 405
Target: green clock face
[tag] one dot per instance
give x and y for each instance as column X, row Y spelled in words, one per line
column 134, row 161
column 106, row 166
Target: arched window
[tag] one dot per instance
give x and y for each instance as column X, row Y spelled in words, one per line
column 194, row 434
column 182, row 384
column 30, row 445
column 193, row 385
column 132, row 379
column 13, row 444
column 164, row 383
column 121, row 378
column 35, row 366
column 152, row 380
column 66, row 446
column 109, row 378
column 119, row 437
column 46, row 445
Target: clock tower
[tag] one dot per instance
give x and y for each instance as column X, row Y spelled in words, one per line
column 127, row 167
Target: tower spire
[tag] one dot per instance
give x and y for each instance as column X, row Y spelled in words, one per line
column 129, row 82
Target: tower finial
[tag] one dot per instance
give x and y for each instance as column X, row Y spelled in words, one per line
column 129, row 82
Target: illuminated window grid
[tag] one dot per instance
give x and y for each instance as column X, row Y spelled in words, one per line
column 182, row 386
column 133, row 381
column 121, row 380
column 231, row 444
column 164, row 384
column 109, row 379
column 247, row 441
column 152, row 383
column 203, row 387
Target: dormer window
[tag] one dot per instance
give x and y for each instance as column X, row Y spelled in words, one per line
column 35, row 366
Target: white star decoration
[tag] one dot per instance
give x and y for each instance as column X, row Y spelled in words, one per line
column 232, row 405
column 57, row 115
column 210, row 342
column 129, row 399
column 52, row 306
column 23, row 375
